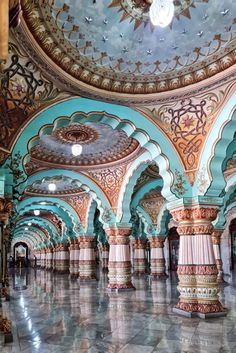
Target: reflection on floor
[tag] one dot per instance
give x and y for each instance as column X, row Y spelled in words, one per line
column 52, row 314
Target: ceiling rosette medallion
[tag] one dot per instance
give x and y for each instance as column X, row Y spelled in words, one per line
column 137, row 11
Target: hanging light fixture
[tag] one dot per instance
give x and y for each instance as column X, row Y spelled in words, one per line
column 36, row 212
column 52, row 187
column 29, row 224
column 162, row 12
column 76, row 150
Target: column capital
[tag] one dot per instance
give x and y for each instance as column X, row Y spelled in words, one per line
column 139, row 243
column 87, row 242
column 118, row 235
column 195, row 219
column 157, row 242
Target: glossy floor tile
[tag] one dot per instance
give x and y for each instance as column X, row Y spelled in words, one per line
column 52, row 314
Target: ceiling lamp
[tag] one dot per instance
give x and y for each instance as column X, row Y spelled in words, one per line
column 76, row 150
column 26, row 228
column 52, row 187
column 161, row 12
column 29, row 224
column 36, row 212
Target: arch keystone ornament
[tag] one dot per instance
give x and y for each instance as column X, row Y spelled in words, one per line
column 119, row 265
column 197, row 268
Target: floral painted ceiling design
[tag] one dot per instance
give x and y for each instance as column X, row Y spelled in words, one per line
column 112, row 45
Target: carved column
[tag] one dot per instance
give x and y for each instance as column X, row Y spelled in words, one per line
column 87, row 260
column 63, row 259
column 197, row 269
column 5, row 210
column 119, row 265
column 105, row 255
column 54, row 260
column 157, row 257
column 74, row 258
column 140, row 262
column 49, row 259
column 216, row 237
column 43, row 258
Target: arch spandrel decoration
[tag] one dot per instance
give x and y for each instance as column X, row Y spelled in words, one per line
column 210, row 179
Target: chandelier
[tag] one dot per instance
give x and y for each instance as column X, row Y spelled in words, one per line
column 161, row 12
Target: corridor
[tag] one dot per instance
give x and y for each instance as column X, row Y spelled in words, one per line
column 52, row 314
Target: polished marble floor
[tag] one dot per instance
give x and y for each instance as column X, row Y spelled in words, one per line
column 52, row 314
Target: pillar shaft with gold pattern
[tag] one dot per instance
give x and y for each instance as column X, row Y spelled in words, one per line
column 63, row 261
column 87, row 259
column 105, row 255
column 216, row 237
column 140, row 262
column 5, row 210
column 119, row 265
column 74, row 258
column 197, row 269
column 49, row 258
column 43, row 258
column 157, row 257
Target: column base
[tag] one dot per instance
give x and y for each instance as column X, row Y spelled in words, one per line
column 8, row 338
column 140, row 273
column 120, row 287
column 158, row 276
column 191, row 314
column 88, row 278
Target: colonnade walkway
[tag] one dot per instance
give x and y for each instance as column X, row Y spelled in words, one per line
column 51, row 313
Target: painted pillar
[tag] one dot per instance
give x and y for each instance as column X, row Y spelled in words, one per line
column 43, row 258
column 74, row 258
column 87, row 260
column 140, row 262
column 158, row 266
column 49, row 259
column 119, row 265
column 216, row 237
column 39, row 259
column 54, row 259
column 64, row 259
column 105, row 255
column 197, row 268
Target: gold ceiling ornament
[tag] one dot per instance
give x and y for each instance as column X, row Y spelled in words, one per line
column 76, row 133
column 138, row 10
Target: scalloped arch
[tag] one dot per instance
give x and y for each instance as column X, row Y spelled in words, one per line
column 132, row 122
column 60, row 207
column 215, row 150
column 85, row 182
column 43, row 223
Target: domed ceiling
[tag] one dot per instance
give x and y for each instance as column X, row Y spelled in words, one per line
column 112, row 45
column 101, row 146
column 64, row 186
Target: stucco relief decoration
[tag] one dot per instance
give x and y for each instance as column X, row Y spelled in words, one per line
column 187, row 123
column 110, row 180
column 53, row 219
column 23, row 89
column 152, row 204
column 81, row 204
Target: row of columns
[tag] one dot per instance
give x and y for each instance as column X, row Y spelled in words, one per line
column 199, row 267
